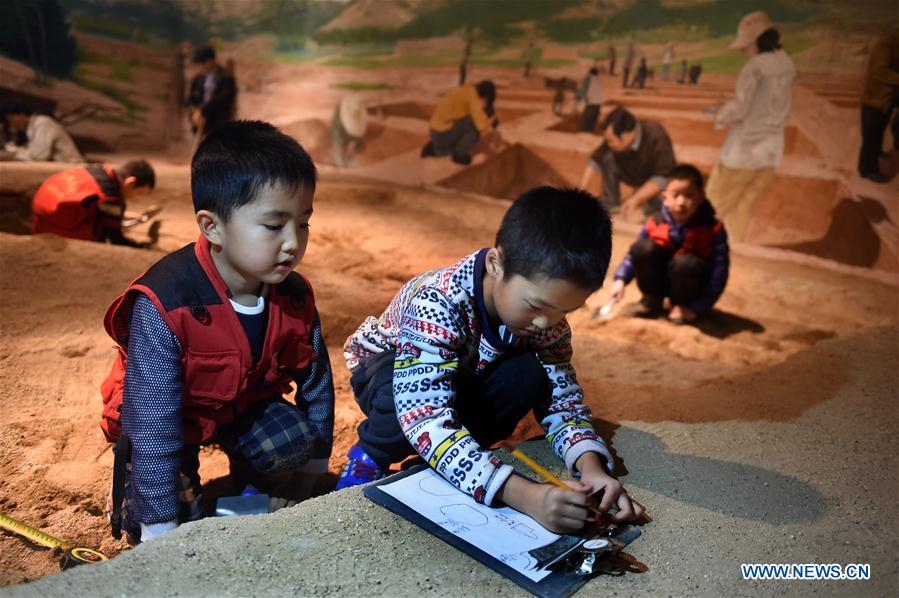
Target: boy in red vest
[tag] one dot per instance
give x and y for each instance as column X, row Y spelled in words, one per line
column 681, row 253
column 212, row 336
column 88, row 202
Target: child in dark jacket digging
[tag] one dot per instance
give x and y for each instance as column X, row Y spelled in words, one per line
column 681, row 253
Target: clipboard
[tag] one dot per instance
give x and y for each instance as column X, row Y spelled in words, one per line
column 556, row 584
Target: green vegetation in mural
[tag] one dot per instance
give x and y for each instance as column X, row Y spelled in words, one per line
column 36, row 33
column 361, row 85
column 135, row 20
column 655, row 21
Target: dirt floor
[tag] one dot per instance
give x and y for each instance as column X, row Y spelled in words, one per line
column 767, row 434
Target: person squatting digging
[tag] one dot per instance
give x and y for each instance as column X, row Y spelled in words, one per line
column 89, row 203
column 681, row 254
column 348, row 127
column 44, row 138
column 211, row 337
column 463, row 353
column 636, row 152
column 462, row 116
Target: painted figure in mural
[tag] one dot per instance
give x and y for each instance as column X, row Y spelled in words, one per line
column 682, row 71
column 612, row 57
column 213, row 94
column 462, row 354
column 629, row 57
column 530, row 55
column 233, row 304
column 879, row 99
column 89, row 203
column 681, row 253
column 695, row 71
column 462, row 116
column 667, row 58
column 35, row 137
column 642, row 71
column 591, row 94
column 348, row 127
column 635, row 152
column 756, row 118
column 466, row 56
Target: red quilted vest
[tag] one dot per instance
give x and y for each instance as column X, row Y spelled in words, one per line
column 66, row 203
column 698, row 240
column 220, row 380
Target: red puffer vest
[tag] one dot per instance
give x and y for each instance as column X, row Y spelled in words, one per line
column 66, row 203
column 220, row 381
column 698, row 240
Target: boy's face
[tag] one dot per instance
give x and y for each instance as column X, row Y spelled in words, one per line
column 529, row 306
column 263, row 241
column 682, row 199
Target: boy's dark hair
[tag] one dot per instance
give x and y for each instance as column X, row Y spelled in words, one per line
column 487, row 90
column 594, row 71
column 141, row 170
column 621, row 121
column 688, row 172
column 557, row 233
column 204, row 53
column 768, row 41
column 238, row 159
column 14, row 107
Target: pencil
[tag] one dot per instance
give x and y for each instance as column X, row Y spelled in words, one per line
column 540, row 470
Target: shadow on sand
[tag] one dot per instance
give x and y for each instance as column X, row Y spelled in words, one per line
column 740, row 490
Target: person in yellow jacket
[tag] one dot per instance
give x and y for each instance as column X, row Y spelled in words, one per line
column 463, row 114
column 879, row 98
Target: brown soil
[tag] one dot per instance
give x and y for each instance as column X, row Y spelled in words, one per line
column 506, row 174
column 56, row 472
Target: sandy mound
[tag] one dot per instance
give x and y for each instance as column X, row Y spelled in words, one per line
column 756, row 361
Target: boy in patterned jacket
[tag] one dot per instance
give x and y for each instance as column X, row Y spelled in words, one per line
column 463, row 353
column 212, row 336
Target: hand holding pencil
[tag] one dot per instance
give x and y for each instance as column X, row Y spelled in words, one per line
column 609, row 490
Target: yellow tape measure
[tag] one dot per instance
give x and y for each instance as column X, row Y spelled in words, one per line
column 72, row 555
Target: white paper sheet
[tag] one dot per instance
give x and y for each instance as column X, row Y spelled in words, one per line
column 503, row 533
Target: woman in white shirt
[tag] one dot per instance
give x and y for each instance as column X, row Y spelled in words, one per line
column 756, row 118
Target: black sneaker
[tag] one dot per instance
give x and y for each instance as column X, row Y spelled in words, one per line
column 428, row 150
column 876, row 177
column 463, row 159
column 649, row 308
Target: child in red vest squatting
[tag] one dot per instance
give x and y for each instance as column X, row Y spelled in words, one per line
column 681, row 253
column 463, row 353
column 211, row 337
column 88, row 202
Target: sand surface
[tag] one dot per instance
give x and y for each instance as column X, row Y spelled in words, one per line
column 766, row 435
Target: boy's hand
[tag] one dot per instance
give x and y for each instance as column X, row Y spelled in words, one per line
column 618, row 290
column 560, row 511
column 595, row 479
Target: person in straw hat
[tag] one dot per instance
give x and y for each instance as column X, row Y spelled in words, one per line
column 756, row 118
column 347, row 129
